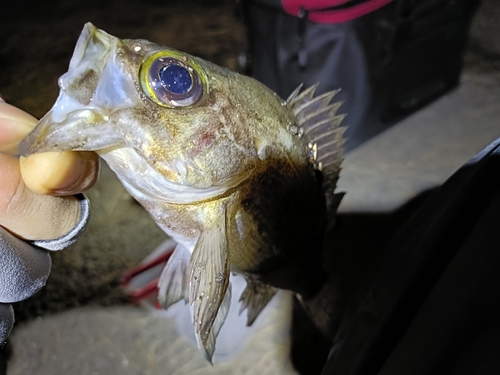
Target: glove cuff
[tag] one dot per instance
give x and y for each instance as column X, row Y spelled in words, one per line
column 70, row 237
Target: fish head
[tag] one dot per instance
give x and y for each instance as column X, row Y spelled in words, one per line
column 172, row 126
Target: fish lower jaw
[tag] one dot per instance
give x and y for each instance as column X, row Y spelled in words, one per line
column 142, row 180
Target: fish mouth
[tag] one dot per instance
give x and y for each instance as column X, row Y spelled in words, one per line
column 79, row 119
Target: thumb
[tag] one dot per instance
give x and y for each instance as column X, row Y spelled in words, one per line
column 32, row 216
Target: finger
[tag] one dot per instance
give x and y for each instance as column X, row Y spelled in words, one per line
column 15, row 124
column 32, row 216
column 55, row 173
column 60, row 173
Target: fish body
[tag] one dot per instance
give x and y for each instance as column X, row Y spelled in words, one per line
column 243, row 180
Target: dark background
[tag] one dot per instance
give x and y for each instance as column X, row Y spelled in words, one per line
column 38, row 38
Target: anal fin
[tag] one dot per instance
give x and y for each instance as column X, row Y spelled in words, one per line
column 255, row 297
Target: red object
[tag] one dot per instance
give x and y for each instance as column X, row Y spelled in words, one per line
column 138, row 294
column 321, row 11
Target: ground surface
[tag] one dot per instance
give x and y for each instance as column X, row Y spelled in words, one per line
column 79, row 324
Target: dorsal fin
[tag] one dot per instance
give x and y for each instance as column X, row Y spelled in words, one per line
column 319, row 126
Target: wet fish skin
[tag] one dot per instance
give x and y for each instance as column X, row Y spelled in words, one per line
column 229, row 177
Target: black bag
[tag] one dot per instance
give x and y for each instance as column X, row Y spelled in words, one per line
column 430, row 302
column 388, row 63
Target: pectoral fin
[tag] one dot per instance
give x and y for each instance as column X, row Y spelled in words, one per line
column 174, row 282
column 208, row 347
column 208, row 283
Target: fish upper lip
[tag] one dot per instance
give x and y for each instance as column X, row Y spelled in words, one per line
column 89, row 31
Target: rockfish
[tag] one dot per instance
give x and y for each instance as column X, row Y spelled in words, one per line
column 242, row 180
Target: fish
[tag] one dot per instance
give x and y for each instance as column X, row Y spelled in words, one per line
column 242, row 180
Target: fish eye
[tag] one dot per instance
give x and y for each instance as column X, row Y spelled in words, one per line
column 176, row 79
column 171, row 80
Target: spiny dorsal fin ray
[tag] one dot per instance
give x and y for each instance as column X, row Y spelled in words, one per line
column 320, row 128
column 316, row 103
column 304, row 97
column 322, row 120
column 209, row 279
column 294, row 94
column 323, row 136
column 173, row 283
column 255, row 297
column 330, row 142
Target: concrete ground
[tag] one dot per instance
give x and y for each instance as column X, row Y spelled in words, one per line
column 79, row 323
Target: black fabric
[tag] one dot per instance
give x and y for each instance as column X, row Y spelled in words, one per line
column 5, row 354
column 388, row 63
column 433, row 304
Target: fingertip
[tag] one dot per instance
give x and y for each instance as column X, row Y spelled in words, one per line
column 81, row 174
column 33, row 216
column 15, row 124
column 60, row 173
column 36, row 170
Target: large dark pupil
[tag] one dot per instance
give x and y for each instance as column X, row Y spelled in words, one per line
column 176, row 79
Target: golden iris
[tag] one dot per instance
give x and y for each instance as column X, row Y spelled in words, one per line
column 172, row 79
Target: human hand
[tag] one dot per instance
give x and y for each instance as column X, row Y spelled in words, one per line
column 35, row 205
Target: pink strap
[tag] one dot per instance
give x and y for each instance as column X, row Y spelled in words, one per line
column 316, row 14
